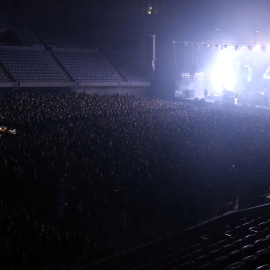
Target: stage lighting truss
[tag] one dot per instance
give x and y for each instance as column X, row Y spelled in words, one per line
column 224, row 45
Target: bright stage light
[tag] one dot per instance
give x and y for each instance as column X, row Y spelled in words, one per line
column 223, row 74
column 257, row 47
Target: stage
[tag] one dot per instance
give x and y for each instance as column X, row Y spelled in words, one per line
column 223, row 70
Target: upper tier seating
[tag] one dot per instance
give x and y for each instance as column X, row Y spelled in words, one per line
column 10, row 20
column 126, row 66
column 31, row 65
column 60, row 32
column 87, row 66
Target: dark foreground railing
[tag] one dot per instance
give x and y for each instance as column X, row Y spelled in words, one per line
column 133, row 245
column 160, row 231
column 210, row 215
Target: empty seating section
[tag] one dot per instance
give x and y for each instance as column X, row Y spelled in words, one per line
column 60, row 32
column 244, row 244
column 87, row 66
column 10, row 20
column 123, row 62
column 71, row 44
column 30, row 65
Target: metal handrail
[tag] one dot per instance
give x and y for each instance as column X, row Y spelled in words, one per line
column 208, row 216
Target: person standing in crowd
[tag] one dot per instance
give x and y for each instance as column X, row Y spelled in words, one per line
column 205, row 93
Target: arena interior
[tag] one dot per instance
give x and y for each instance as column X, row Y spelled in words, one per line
column 134, row 135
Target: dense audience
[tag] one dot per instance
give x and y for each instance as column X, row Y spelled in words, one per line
column 136, row 162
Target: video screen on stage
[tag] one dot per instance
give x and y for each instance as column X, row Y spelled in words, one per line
column 241, row 69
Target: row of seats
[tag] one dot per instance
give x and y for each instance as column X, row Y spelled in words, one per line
column 244, row 244
column 33, row 65
column 62, row 33
column 36, row 65
column 126, row 66
column 87, row 66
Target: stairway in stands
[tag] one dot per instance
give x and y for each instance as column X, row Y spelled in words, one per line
column 5, row 75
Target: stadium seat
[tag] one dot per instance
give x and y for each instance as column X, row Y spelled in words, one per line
column 201, row 260
column 221, row 262
column 195, row 247
column 182, row 252
column 228, row 248
column 247, row 250
column 197, row 253
column 239, row 243
column 143, row 266
column 263, row 225
column 250, row 238
column 235, row 256
column 235, row 266
column 263, row 267
column 254, row 229
column 184, row 258
column 186, row 266
column 207, row 266
column 261, row 244
column 263, row 256
column 214, row 254
column 249, row 262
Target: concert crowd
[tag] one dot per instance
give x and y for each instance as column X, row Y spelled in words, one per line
column 76, row 158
